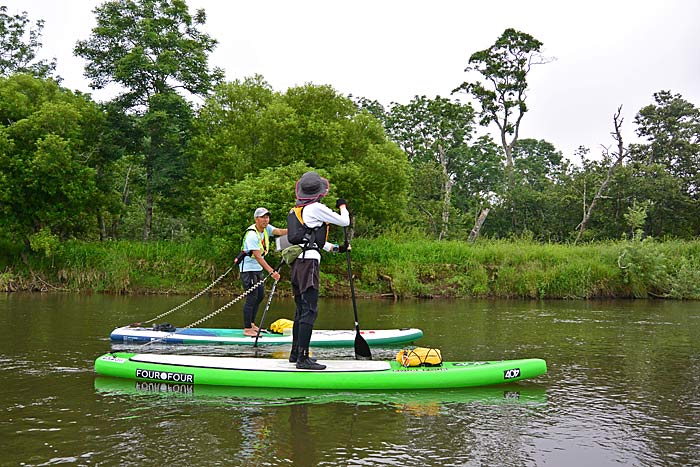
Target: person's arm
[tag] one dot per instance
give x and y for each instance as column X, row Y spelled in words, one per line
column 325, row 214
column 272, row 230
column 342, row 220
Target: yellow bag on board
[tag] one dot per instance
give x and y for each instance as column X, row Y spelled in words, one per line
column 281, row 324
column 420, row 356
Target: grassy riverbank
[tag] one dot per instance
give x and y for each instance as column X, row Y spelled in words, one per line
column 389, row 267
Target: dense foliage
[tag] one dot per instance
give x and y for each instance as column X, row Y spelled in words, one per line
column 150, row 164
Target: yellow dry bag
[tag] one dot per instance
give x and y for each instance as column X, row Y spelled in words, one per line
column 420, row 356
column 281, row 324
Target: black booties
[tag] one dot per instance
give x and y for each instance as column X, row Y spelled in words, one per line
column 294, row 355
column 306, row 363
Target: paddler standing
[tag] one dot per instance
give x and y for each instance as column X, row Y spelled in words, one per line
column 256, row 243
column 309, row 190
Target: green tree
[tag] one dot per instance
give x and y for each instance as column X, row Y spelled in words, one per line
column 669, row 211
column 123, row 174
column 373, row 107
column 49, row 148
column 434, row 133
column 537, row 162
column 19, row 44
column 671, row 127
column 538, row 168
column 245, row 127
column 240, row 128
column 479, row 181
column 152, row 49
column 504, row 66
column 229, row 207
column 166, row 129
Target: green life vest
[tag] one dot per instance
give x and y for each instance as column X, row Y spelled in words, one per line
column 264, row 240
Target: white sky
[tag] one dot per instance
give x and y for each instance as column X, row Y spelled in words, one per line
column 608, row 53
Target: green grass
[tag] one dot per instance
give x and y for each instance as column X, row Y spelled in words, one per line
column 399, row 267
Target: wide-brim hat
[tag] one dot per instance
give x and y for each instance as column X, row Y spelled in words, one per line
column 311, row 186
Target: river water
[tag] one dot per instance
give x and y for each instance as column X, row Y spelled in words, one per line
column 623, row 388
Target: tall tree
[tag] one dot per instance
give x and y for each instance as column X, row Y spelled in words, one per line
column 434, row 132
column 19, row 44
column 504, row 66
column 150, row 48
column 537, row 162
column 166, row 128
column 672, row 130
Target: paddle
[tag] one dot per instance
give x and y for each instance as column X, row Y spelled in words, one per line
column 361, row 346
column 269, row 300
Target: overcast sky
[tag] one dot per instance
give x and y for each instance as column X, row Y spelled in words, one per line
column 608, row 53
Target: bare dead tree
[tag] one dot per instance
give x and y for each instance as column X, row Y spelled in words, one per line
column 618, row 158
column 477, row 225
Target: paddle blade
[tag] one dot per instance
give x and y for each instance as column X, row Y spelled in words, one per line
column 361, row 348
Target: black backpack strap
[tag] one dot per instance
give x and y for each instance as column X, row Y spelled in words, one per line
column 249, row 229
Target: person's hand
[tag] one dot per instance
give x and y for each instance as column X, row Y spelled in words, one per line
column 340, row 202
column 275, row 275
column 344, row 247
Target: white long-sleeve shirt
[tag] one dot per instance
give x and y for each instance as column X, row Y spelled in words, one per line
column 315, row 215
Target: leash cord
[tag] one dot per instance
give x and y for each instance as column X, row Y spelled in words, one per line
column 191, row 299
column 216, row 312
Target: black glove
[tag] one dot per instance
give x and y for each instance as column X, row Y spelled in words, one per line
column 340, row 202
column 344, row 247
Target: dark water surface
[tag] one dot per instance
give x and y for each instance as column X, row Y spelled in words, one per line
column 623, row 388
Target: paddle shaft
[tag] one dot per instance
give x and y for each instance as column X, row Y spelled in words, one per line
column 361, row 346
column 262, row 320
column 269, row 300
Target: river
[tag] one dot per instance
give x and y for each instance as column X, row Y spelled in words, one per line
column 622, row 388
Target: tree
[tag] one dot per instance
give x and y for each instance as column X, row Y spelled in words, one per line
column 152, row 48
column 166, row 128
column 538, row 168
column 504, row 66
column 49, row 148
column 672, row 129
column 245, row 128
column 613, row 161
column 480, row 181
column 17, row 51
column 373, row 107
column 537, row 162
column 229, row 208
column 433, row 132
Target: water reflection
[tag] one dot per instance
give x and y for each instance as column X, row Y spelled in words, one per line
column 504, row 394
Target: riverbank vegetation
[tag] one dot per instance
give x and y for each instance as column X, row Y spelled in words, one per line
column 391, row 267
column 151, row 193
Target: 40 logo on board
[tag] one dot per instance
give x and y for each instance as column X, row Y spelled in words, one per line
column 512, row 373
column 165, row 376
